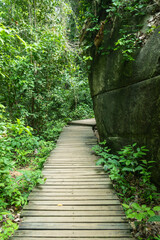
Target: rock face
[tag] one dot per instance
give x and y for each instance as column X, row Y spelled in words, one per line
column 126, row 97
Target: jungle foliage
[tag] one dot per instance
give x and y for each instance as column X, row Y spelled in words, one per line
column 43, row 77
column 130, row 173
column 100, row 18
column 44, row 85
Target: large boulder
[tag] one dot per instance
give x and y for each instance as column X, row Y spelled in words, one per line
column 126, row 96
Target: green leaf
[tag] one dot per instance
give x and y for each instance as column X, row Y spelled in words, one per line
column 151, row 213
column 134, row 144
column 139, row 168
column 21, row 40
column 136, row 206
column 40, row 181
column 125, row 205
column 155, row 218
column 100, row 161
column 139, row 216
column 157, row 208
column 125, row 169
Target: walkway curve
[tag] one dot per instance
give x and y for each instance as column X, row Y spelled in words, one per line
column 77, row 201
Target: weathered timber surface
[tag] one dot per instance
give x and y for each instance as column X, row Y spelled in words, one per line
column 78, row 200
column 68, row 238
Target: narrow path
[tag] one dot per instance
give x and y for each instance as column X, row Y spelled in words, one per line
column 77, row 201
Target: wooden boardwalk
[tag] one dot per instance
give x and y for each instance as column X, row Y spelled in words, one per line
column 77, row 201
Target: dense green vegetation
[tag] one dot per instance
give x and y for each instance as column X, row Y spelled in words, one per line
column 21, row 160
column 131, row 177
column 41, row 69
column 127, row 15
column 43, row 77
column 44, row 85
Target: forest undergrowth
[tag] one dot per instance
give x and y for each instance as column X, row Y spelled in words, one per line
column 130, row 173
column 44, row 85
column 43, row 79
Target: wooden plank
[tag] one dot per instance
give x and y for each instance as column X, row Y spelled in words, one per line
column 74, row 158
column 73, row 171
column 75, row 144
column 74, row 141
column 77, row 238
column 75, row 219
column 51, row 213
column 72, row 155
column 80, row 226
column 61, row 195
column 72, row 195
column 71, row 164
column 50, row 167
column 85, row 149
column 72, row 150
column 86, row 122
column 73, row 147
column 87, row 184
column 81, row 147
column 71, row 161
column 78, row 158
column 72, row 178
column 66, row 175
column 65, row 144
column 71, row 198
column 75, row 191
column 80, row 129
column 76, row 138
column 73, row 233
column 76, row 187
column 80, row 178
column 64, row 160
column 71, row 174
column 73, row 208
column 76, row 182
column 85, row 180
column 90, row 173
column 78, row 132
column 76, row 203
